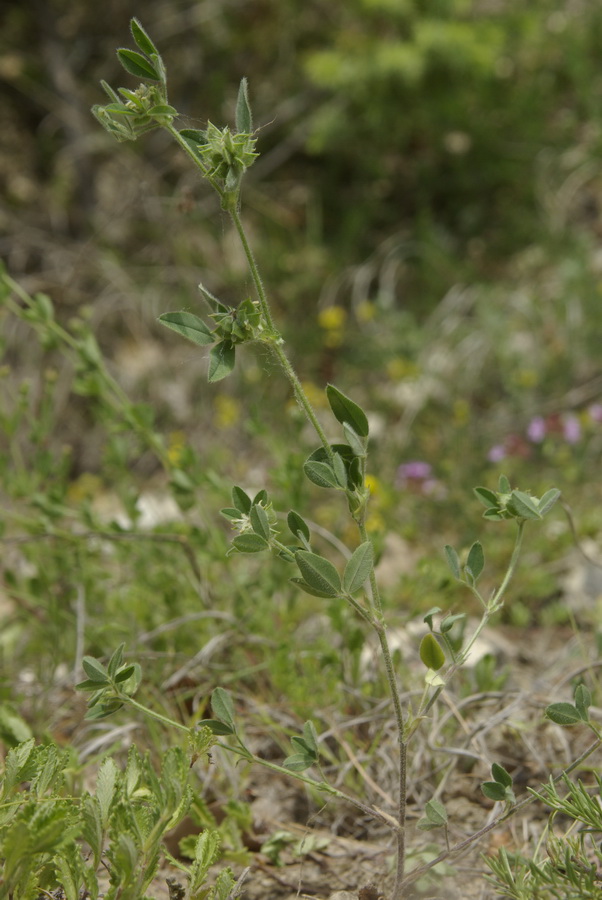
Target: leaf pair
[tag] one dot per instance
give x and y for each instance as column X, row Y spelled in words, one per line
column 514, row 504
column 321, row 579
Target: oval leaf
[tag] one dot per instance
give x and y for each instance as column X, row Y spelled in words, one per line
column 547, row 501
column 241, row 500
column 476, row 560
column 523, row 505
column 189, row 326
column 318, row 572
column 358, row 567
column 431, row 654
column 297, row 525
column 221, row 361
column 244, row 117
column 250, row 543
column 142, row 39
column 435, row 813
column 313, row 592
column 137, row 65
column 260, row 522
column 452, row 561
column 494, row 790
column 222, row 706
column 564, row 714
column 320, row 473
column 345, row 410
column 501, row 775
column 95, row 670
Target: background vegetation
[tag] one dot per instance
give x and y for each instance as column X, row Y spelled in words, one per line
column 426, row 211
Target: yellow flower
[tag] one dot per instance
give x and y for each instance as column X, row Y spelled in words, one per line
column 332, row 318
column 85, row 487
column 373, row 485
column 177, row 442
column 227, row 411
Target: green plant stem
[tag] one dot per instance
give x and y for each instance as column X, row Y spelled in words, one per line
column 171, row 723
column 321, row 786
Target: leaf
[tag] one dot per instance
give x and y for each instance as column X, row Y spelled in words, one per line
column 476, row 560
column 298, row 762
column 453, row 561
column 313, row 592
column 221, row 361
column 494, row 790
column 223, row 706
column 449, row 621
column 320, row 473
column 106, row 782
column 241, row 500
column 95, row 670
column 115, row 660
column 522, row 505
column 260, row 522
column 564, row 714
column 357, row 443
column 189, row 326
column 125, row 674
column 358, row 567
column 311, row 737
column 583, row 700
column 504, row 485
column 436, row 813
column 297, row 525
column 431, row 654
column 250, row 543
column 142, row 39
column 501, row 775
column 318, row 572
column 548, row 501
column 244, row 117
column 487, row 497
column 217, row 727
column 345, row 410
column 428, row 617
column 137, row 65
column 340, row 471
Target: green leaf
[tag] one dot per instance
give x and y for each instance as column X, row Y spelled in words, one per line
column 221, row 361
column 137, row 65
column 340, row 471
column 250, row 543
column 189, row 326
column 450, row 620
column 523, row 505
column 358, row 567
column 311, row 737
column 106, row 783
column 298, row 526
column 95, row 670
column 321, row 473
column 241, row 500
column 494, row 790
column 357, row 443
column 298, row 762
column 428, row 617
column 116, row 660
column 125, row 674
column 313, row 592
column 476, row 560
column 487, row 497
column 583, row 701
column 548, row 501
column 345, row 410
column 564, row 714
column 260, row 522
column 13, row 729
column 142, row 39
column 431, row 654
column 318, row 572
column 223, row 706
column 453, row 561
column 217, row 727
column 244, row 117
column 436, row 813
column 500, row 775
column 504, row 485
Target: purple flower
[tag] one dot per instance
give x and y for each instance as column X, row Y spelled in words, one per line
column 497, row 453
column 571, row 429
column 414, row 471
column 595, row 412
column 536, row 430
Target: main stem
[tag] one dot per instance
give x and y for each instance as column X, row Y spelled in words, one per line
column 275, row 341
